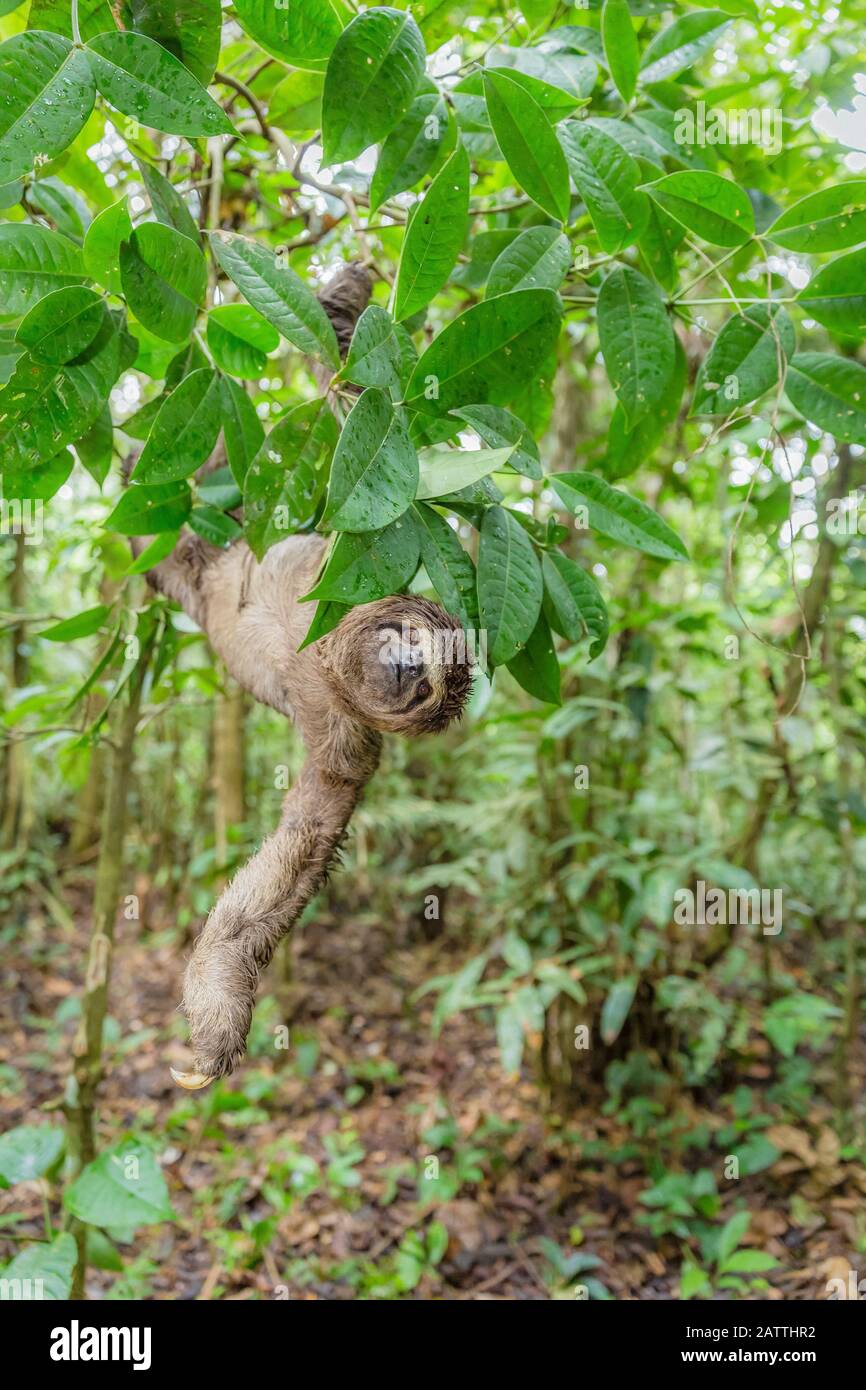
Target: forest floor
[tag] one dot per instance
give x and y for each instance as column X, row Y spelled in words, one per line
column 316, row 1170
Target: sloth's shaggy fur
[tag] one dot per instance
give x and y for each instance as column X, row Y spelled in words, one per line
column 342, row 692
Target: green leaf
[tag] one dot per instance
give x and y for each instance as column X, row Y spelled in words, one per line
column 500, row 430
column 716, row 209
column 240, row 339
column 528, row 142
column 836, row 296
column 164, row 278
column 628, row 446
column 538, row 258
column 576, row 607
column 160, row 547
column 606, row 178
column 554, row 101
column 102, row 243
column 830, row 391
column 748, row 1262
column 278, row 293
column 142, row 510
column 143, row 80
column 747, row 358
column 449, row 568
column 45, row 407
column 243, row 432
column 637, row 341
column 46, row 95
column 509, row 585
column 286, row 479
column 47, row 1266
column 509, row 1038
column 372, row 76
column 123, row 1187
column 682, row 43
column 731, row 1234
column 370, row 565
column 443, row 471
column 95, row 448
column 62, row 324
column 621, row 51
column 184, row 432
column 484, row 354
column 326, row 618
column 536, row 667
column 40, row 481
column 618, row 516
column 295, row 104
column 33, row 262
column 570, row 71
column 169, row 206
column 828, row 220
column 190, row 29
column 411, row 149
column 616, row 1008
column 375, row 470
column 434, row 237
column 29, row 1151
column 82, row 625
column 299, row 33
column 380, row 353
column 214, row 525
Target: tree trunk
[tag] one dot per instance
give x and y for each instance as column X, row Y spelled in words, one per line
column 87, row 1066
column 17, row 805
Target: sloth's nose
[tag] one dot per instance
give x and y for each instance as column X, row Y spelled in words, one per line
column 407, row 661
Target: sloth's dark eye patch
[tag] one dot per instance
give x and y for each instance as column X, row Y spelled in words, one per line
column 423, row 689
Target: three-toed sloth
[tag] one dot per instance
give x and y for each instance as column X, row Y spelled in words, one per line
column 384, row 668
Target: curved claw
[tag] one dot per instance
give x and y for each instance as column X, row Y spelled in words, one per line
column 191, row 1080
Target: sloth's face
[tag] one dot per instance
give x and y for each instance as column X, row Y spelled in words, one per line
column 411, row 671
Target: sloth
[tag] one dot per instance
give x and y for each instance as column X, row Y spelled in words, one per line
column 393, row 666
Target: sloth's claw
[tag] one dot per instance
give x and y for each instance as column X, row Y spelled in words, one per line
column 191, row 1080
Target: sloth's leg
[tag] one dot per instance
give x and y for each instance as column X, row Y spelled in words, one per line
column 260, row 905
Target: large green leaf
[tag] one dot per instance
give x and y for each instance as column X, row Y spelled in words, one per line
column 371, row 564
column 747, row 358
column 509, row 584
column 836, row 296
column 375, row 470
column 678, row 46
column 501, row 430
column 381, row 352
column 528, row 142
column 449, row 568
column 46, row 1266
column 29, row 1151
column 240, row 339
column 278, row 293
column 286, row 479
column 164, row 278
column 142, row 510
column 443, row 471
column 55, row 16
column 828, row 220
column 243, row 432
column 300, row 32
column 62, row 324
column 571, row 71
column 538, row 259
column 536, row 666
column 434, row 237
column 716, row 209
column 82, row 625
column 574, row 603
column 295, row 104
column 831, row 392
column 618, row 516
column 621, row 51
column 46, row 95
column 167, row 203
column 185, row 430
column 190, row 29
column 102, row 243
column 123, row 1187
column 606, row 178
column 33, row 262
column 486, row 353
column 214, row 525
column 46, row 406
column 143, row 80
column 411, row 149
column 636, row 340
column 628, row 446
column 372, row 76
